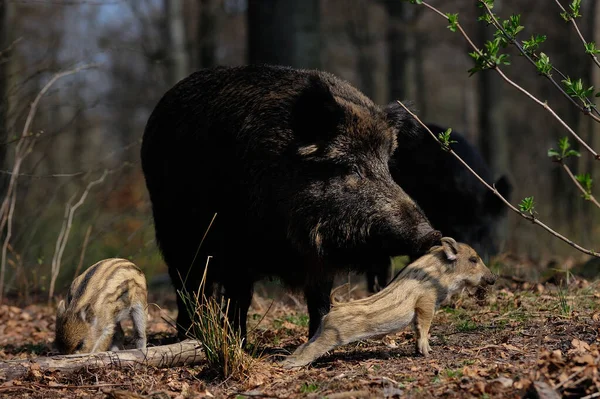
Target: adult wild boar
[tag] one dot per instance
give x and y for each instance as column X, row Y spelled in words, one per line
column 454, row 201
column 294, row 163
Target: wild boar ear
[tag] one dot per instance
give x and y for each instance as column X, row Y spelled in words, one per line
column 316, row 114
column 85, row 314
column 450, row 247
column 410, row 131
column 61, row 309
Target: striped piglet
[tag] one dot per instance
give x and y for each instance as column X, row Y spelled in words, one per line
column 107, row 293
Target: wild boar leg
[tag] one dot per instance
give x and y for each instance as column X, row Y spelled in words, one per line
column 240, row 294
column 138, row 315
column 104, row 336
column 118, row 339
column 325, row 339
column 424, row 311
column 317, row 302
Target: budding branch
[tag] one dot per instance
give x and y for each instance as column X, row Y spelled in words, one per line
column 531, row 218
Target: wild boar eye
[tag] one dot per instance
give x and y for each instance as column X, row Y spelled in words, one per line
column 473, row 259
column 357, row 171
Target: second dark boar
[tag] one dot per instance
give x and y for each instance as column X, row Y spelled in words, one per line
column 294, row 163
column 454, row 201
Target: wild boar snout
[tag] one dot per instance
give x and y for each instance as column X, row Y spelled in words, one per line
column 489, row 278
column 427, row 237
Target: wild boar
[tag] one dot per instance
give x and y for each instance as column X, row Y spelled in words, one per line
column 412, row 296
column 107, row 293
column 289, row 168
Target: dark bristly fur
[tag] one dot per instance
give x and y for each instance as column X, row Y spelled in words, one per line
column 294, row 163
column 413, row 296
column 100, row 298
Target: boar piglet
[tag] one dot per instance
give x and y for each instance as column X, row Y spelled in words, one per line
column 107, row 293
column 413, row 296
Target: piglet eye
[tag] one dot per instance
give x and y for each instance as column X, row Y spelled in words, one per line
column 473, row 259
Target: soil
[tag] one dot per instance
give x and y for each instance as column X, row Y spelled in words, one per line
column 522, row 339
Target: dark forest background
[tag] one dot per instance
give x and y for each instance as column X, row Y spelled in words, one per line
column 91, row 122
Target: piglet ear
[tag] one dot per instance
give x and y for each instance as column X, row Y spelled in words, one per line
column 61, row 309
column 316, row 114
column 85, row 314
column 450, row 248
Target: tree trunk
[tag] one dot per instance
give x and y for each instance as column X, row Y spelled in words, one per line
column 360, row 32
column 178, row 57
column 493, row 141
column 588, row 214
column 401, row 48
column 184, row 353
column 4, row 68
column 207, row 33
column 284, row 32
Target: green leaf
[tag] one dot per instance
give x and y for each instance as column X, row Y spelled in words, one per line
column 563, row 144
column 453, row 21
column 575, row 88
column 530, row 46
column 527, row 205
column 586, row 182
column 573, row 12
column 572, row 153
column 543, row 65
column 488, row 3
column 575, row 6
column 590, row 48
column 445, row 140
column 553, row 153
column 565, row 150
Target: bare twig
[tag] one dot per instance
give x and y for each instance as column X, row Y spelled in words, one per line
column 516, row 86
column 591, row 396
column 23, row 148
column 63, row 236
column 9, row 48
column 572, row 20
column 85, row 244
column 9, row 216
column 570, row 378
column 531, row 218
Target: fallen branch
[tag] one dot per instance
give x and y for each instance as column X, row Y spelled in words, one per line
column 183, row 353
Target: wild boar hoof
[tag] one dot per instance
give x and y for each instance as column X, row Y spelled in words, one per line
column 424, row 348
column 291, row 362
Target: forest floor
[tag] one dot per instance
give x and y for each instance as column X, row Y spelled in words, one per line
column 523, row 337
